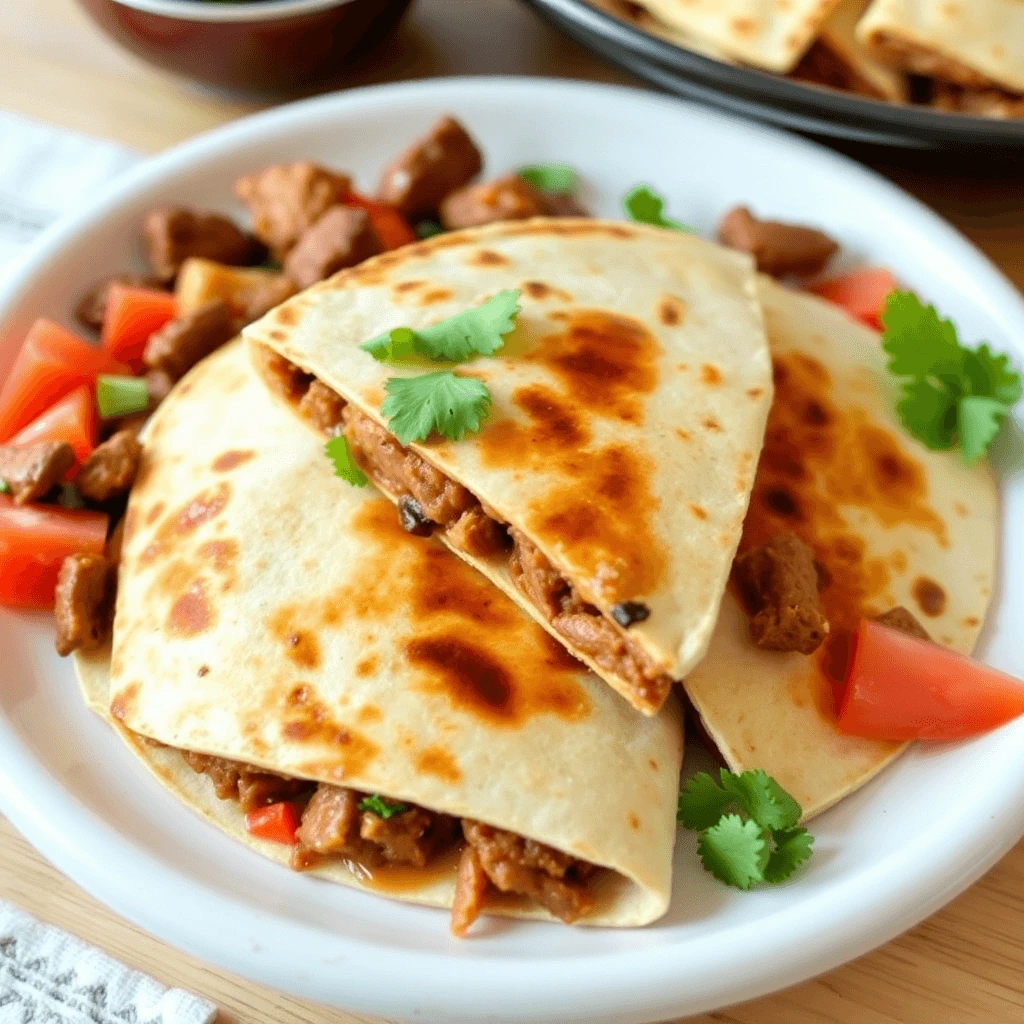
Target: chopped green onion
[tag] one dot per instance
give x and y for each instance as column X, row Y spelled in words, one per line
column 70, row 497
column 556, row 179
column 382, row 807
column 428, row 228
column 5, row 487
column 121, row 396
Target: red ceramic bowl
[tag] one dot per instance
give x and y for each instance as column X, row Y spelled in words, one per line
column 250, row 45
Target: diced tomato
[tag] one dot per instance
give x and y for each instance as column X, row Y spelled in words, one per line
column 52, row 363
column 901, row 688
column 133, row 314
column 73, row 419
column 391, row 227
column 34, row 541
column 277, row 823
column 862, row 294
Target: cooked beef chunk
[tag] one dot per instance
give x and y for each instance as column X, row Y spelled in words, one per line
column 433, row 166
column 158, row 384
column 476, row 533
column 514, row 864
column 563, row 206
column 412, row 517
column 284, row 378
column 92, row 307
column 471, row 886
column 342, row 237
column 286, row 199
column 110, row 470
column 224, row 773
column 779, row 583
column 32, row 470
column 260, row 789
column 508, row 198
column 260, row 296
column 322, row 407
column 178, row 346
column 407, row 838
column 400, row 471
column 625, row 613
column 330, row 823
column 903, row 620
column 778, row 249
column 84, row 602
column 173, row 235
column 536, row 577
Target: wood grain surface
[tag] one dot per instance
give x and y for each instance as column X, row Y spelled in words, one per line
column 964, row 965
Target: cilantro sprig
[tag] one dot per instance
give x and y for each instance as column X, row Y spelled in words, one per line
column 952, row 394
column 340, row 454
column 557, row 179
column 646, row 206
column 382, row 807
column 453, row 406
column 748, row 827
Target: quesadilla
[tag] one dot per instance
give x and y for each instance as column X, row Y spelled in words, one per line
column 606, row 491
column 763, row 33
column 891, row 525
column 976, row 44
column 280, row 641
column 638, row 15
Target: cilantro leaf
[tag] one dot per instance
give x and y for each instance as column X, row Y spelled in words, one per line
column 929, row 412
column 979, row 421
column 734, row 851
column 918, row 340
column 762, row 798
column 645, row 206
column 702, row 802
column 338, row 451
column 428, row 228
column 443, row 402
column 558, row 179
column 992, row 375
column 792, row 848
column 479, row 331
column 382, row 807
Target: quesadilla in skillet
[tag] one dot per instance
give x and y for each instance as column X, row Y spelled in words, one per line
column 890, row 524
column 280, row 642
column 606, row 490
column 972, row 43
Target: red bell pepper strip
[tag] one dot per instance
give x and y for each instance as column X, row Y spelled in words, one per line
column 277, row 823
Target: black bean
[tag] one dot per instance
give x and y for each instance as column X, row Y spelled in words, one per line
column 625, row 613
column 414, row 520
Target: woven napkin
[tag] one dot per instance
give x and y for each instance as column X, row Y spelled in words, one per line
column 46, row 975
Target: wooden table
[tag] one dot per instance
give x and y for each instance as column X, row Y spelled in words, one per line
column 963, row 965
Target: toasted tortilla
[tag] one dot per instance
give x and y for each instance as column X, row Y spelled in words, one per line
column 628, row 406
column 974, row 43
column 642, row 18
column 891, row 522
column 763, row 33
column 267, row 615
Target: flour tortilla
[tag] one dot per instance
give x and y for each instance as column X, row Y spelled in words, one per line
column 763, row 33
column 647, row 22
column 267, row 615
column 770, row 710
column 974, row 43
column 629, row 404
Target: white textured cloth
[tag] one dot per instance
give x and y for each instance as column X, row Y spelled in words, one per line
column 46, row 975
column 50, row 977
column 44, row 172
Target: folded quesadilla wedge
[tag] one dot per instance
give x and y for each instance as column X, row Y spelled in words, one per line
column 280, row 640
column 976, row 44
column 606, row 490
column 763, row 33
column 641, row 17
column 891, row 524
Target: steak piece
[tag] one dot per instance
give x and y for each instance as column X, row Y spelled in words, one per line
column 111, row 468
column 174, row 234
column 410, row 837
column 84, row 603
column 476, row 533
column 31, row 471
column 508, row 198
column 342, row 237
column 778, row 249
column 179, row 345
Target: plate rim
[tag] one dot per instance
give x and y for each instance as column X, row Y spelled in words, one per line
column 644, row 985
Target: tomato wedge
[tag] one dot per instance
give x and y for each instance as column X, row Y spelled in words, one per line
column 52, row 363
column 862, row 294
column 277, row 823
column 391, row 227
column 34, row 541
column 73, row 419
column 133, row 314
column 901, row 688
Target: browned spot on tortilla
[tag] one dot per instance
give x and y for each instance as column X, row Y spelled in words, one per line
column 755, row 392
column 745, row 26
column 299, row 643
column 492, row 684
column 153, row 514
column 408, row 286
column 971, row 621
column 556, row 427
column 710, row 375
column 191, row 613
column 438, row 762
column 821, row 455
column 898, row 560
column 222, row 554
column 436, row 295
column 350, row 752
column 683, row 435
column 121, row 706
column 652, row 763
column 370, row 713
column 961, row 509
column 710, row 423
column 671, row 310
column 540, row 291
column 576, row 227
column 487, row 258
column 203, row 671
column 232, row 459
column 287, row 315
column 368, row 665
column 300, row 694
column 277, row 335
column 930, row 597
column 634, row 822
column 699, row 511
column 206, row 505
column 151, row 552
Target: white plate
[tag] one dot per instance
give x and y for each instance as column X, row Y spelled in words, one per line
column 884, row 859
